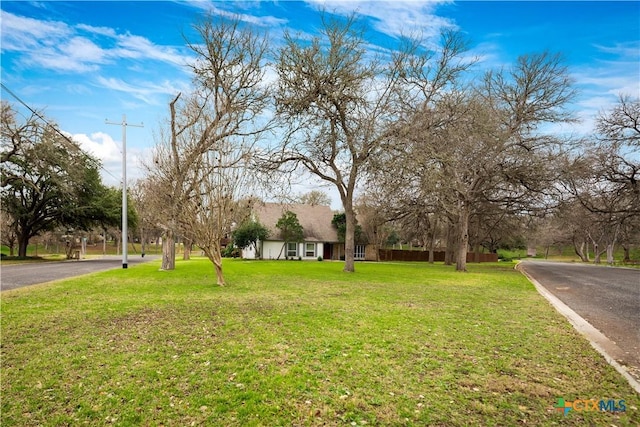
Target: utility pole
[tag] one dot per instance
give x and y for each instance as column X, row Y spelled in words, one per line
column 125, row 239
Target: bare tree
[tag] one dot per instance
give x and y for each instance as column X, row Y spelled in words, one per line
column 629, row 237
column 208, row 132
column 622, row 124
column 149, row 213
column 340, row 106
column 481, row 146
column 615, row 155
column 604, row 207
column 315, row 197
column 374, row 220
column 322, row 100
column 222, row 180
column 605, row 177
column 406, row 193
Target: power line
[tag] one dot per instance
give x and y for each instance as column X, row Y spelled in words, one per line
column 72, row 143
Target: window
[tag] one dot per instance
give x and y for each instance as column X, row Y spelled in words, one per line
column 358, row 253
column 310, row 250
column 292, row 250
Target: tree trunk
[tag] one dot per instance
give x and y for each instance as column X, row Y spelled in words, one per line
column 597, row 254
column 586, row 254
column 186, row 255
column 215, row 256
column 281, row 249
column 612, row 244
column 168, row 250
column 69, row 249
column 432, row 240
column 596, row 258
column 463, row 237
column 627, row 253
column 475, row 243
column 256, row 247
column 610, row 254
column 449, row 251
column 349, row 239
column 579, row 250
column 142, row 242
column 23, row 243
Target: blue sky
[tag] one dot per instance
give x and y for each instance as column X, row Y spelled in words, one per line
column 84, row 62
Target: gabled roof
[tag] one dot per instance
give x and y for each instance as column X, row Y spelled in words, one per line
column 314, row 219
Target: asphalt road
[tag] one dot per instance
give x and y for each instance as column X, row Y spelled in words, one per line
column 606, row 297
column 14, row 276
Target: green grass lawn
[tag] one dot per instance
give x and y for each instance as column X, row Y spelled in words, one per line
column 296, row 344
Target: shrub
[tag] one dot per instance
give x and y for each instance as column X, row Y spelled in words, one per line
column 231, row 252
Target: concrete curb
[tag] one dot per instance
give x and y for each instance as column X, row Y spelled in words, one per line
column 598, row 340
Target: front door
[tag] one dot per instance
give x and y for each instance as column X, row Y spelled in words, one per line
column 327, row 251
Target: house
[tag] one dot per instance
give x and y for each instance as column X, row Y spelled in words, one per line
column 320, row 236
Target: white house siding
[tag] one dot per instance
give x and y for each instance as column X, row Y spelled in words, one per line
column 248, row 253
column 271, row 250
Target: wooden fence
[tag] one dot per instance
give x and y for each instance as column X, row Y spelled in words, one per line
column 401, row 255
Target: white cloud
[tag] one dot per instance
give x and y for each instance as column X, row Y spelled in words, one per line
column 56, row 46
column 260, row 21
column 143, row 90
column 20, row 33
column 109, row 152
column 136, row 47
column 393, row 18
column 83, row 50
column 78, row 89
column 105, row 31
column 48, row 44
column 602, row 82
column 212, row 7
column 52, row 59
column 629, row 50
column 616, row 75
column 488, row 55
column 100, row 145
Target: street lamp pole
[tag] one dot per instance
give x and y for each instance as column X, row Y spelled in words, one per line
column 125, row 239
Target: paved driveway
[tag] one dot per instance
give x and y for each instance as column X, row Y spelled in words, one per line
column 14, row 276
column 606, row 297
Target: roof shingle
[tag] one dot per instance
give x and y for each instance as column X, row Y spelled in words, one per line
column 314, row 219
